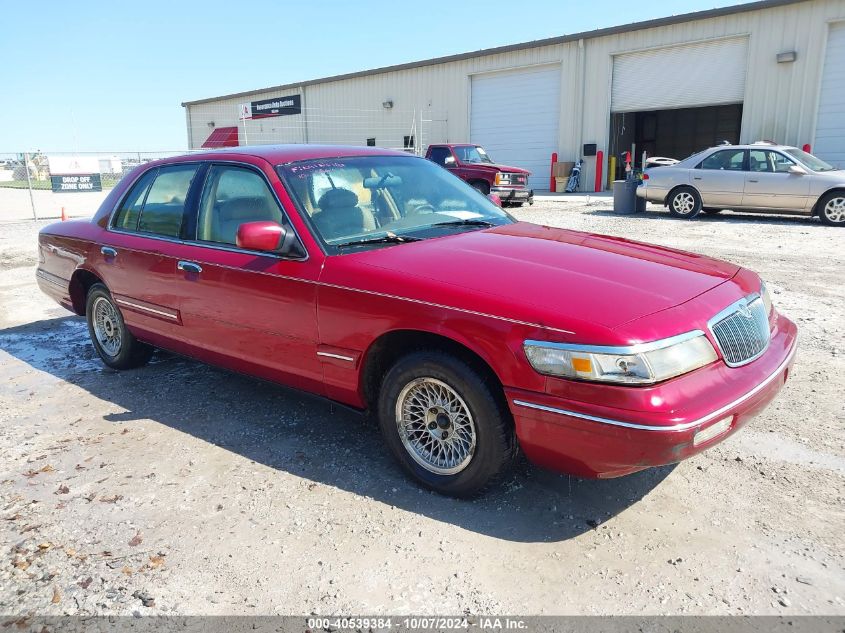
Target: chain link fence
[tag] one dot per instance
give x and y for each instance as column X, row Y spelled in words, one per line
column 40, row 185
column 220, row 124
column 53, row 184
column 47, row 184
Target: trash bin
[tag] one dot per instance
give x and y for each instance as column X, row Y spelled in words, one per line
column 625, row 201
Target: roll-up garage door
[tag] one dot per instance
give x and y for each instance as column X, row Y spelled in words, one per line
column 514, row 115
column 692, row 75
column 830, row 124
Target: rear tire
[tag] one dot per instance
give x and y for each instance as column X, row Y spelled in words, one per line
column 832, row 208
column 114, row 343
column 444, row 425
column 685, row 203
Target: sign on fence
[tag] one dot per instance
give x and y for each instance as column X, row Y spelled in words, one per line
column 74, row 173
column 76, row 182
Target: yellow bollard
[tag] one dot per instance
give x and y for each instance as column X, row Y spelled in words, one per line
column 611, row 170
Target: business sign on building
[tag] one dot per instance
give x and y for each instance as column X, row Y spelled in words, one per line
column 74, row 173
column 277, row 106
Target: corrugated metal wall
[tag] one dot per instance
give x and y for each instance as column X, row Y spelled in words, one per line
column 780, row 99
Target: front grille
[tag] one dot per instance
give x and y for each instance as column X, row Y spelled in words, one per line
column 743, row 334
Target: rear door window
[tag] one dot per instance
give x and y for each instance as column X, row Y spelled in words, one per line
column 128, row 213
column 726, row 160
column 165, row 204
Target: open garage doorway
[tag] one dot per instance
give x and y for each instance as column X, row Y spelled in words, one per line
column 673, row 133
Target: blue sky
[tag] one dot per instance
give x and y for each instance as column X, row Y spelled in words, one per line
column 110, row 76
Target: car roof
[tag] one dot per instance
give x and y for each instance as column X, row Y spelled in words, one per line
column 753, row 146
column 281, row 154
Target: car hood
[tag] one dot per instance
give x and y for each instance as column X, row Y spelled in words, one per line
column 498, row 167
column 549, row 276
column 837, row 175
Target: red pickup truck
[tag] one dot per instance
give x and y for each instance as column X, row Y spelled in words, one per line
column 472, row 164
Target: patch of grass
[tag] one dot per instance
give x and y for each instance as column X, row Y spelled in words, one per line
column 22, row 184
column 108, row 182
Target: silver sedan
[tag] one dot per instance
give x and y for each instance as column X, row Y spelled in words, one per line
column 761, row 177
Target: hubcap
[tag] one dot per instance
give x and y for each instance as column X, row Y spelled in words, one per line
column 435, row 426
column 106, row 326
column 683, row 203
column 834, row 210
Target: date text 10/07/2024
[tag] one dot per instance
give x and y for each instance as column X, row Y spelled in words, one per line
column 417, row 623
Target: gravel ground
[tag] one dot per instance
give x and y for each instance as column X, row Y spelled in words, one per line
column 180, row 488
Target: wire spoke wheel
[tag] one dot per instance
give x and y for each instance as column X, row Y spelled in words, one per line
column 834, row 210
column 107, row 328
column 435, row 426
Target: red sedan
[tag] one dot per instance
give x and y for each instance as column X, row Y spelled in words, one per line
column 381, row 281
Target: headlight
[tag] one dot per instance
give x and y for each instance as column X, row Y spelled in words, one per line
column 766, row 297
column 641, row 364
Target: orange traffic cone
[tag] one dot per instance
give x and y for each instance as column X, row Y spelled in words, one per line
column 64, row 215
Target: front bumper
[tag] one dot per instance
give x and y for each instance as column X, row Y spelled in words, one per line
column 601, row 441
column 509, row 194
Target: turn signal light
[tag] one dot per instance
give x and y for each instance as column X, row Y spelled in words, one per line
column 714, row 430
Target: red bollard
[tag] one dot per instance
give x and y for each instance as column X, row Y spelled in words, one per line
column 807, row 148
column 552, row 184
column 599, row 168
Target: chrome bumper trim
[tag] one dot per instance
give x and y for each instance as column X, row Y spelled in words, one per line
column 675, row 427
column 130, row 304
column 337, row 356
column 50, row 278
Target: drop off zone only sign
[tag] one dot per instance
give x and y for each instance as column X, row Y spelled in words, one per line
column 74, row 173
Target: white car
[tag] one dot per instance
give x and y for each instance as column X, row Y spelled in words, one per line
column 761, row 177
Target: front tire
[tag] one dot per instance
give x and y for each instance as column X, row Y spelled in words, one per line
column 114, row 343
column 685, row 203
column 481, row 186
column 832, row 209
column 444, row 424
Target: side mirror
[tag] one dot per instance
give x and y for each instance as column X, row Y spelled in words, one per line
column 449, row 161
column 492, row 197
column 260, row 236
column 797, row 169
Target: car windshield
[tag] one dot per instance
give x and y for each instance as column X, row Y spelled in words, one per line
column 808, row 160
column 371, row 201
column 471, row 154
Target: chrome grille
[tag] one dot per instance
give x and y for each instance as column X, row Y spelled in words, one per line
column 742, row 331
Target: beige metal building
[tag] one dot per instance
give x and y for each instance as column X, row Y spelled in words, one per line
column 766, row 70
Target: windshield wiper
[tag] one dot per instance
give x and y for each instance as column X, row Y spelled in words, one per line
column 467, row 222
column 387, row 238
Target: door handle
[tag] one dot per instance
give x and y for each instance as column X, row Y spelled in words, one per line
column 696, row 177
column 189, row 267
column 750, row 180
column 108, row 251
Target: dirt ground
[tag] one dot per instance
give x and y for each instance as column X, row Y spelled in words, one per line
column 180, row 488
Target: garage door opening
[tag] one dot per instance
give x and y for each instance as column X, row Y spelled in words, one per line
column 673, row 133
